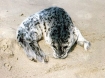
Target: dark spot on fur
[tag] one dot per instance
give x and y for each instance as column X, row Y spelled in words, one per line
column 44, row 26
column 49, row 29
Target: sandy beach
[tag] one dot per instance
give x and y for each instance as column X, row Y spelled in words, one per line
column 87, row 15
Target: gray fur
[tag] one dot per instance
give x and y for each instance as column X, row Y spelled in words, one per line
column 58, row 30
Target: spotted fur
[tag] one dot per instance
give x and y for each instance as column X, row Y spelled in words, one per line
column 56, row 26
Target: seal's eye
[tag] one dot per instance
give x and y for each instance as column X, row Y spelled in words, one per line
column 65, row 47
column 54, row 46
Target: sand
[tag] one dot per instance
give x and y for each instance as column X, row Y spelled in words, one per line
column 87, row 15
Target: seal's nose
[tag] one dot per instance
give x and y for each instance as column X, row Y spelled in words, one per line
column 59, row 55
